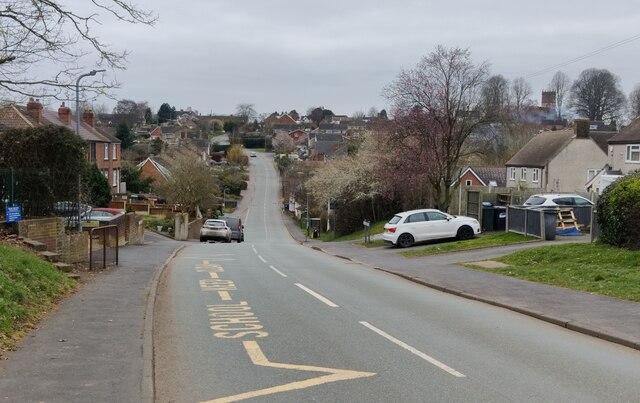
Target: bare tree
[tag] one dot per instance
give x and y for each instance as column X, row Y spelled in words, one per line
column 560, row 84
column 358, row 115
column 521, row 94
column 373, row 112
column 495, row 97
column 49, row 32
column 438, row 100
column 597, row 95
column 634, row 102
column 130, row 112
column 246, row 112
column 192, row 184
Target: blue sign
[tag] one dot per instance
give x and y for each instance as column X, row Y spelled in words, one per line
column 13, row 214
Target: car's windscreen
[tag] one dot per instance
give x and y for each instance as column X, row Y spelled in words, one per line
column 395, row 219
column 534, row 201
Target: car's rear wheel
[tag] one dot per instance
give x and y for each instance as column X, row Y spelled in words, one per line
column 405, row 240
column 202, row 239
column 465, row 232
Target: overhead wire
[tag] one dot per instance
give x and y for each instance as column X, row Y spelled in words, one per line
column 585, row 56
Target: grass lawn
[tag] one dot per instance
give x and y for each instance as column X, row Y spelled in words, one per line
column 482, row 241
column 595, row 268
column 28, row 288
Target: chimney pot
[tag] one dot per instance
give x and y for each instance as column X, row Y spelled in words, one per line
column 34, row 109
column 64, row 114
column 89, row 117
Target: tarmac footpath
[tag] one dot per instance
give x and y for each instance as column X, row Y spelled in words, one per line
column 96, row 346
column 608, row 318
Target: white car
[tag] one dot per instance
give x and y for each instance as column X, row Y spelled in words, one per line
column 555, row 200
column 413, row 226
column 215, row 230
column 253, row 154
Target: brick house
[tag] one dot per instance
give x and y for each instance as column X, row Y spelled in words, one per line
column 152, row 168
column 102, row 148
column 483, row 176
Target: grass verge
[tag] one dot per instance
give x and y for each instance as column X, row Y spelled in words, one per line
column 376, row 228
column 29, row 287
column 594, row 268
column 482, row 241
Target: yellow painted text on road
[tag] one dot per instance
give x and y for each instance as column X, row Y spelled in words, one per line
column 234, row 321
column 258, row 358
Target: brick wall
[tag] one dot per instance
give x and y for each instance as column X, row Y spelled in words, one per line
column 49, row 231
column 72, row 247
column 134, row 229
column 76, row 248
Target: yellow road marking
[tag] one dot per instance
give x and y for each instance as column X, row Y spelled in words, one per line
column 213, row 275
column 224, row 295
column 258, row 358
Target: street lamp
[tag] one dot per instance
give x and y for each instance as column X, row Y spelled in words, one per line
column 306, row 235
column 224, row 198
column 91, row 73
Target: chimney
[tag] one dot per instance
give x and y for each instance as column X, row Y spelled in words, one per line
column 89, row 117
column 64, row 113
column 34, row 109
column 581, row 128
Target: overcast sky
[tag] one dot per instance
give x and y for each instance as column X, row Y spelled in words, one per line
column 212, row 55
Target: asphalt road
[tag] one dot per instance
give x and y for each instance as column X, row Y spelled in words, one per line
column 271, row 320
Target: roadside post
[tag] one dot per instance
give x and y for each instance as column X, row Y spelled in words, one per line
column 367, row 230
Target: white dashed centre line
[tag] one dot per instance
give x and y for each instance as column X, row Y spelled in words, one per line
column 419, row 353
column 277, row 271
column 318, row 296
column 261, row 258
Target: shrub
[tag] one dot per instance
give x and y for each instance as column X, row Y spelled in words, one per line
column 618, row 212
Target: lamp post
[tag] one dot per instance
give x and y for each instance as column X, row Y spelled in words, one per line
column 91, row 73
column 306, row 234
column 224, row 199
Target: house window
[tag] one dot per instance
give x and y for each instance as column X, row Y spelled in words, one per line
column 92, row 152
column 468, row 182
column 115, row 155
column 591, row 173
column 633, row 153
column 106, row 151
column 535, row 175
column 513, row 174
column 523, row 175
column 105, row 172
column 114, row 178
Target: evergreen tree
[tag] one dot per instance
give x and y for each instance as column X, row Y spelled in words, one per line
column 123, row 133
column 99, row 191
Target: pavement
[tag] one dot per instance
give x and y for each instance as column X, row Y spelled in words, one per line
column 595, row 315
column 96, row 346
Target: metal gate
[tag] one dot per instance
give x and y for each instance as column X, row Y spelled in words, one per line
column 103, row 246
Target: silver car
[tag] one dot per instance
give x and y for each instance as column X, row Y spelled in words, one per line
column 215, row 230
